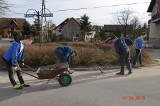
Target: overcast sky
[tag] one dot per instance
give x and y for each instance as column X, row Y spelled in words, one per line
column 98, row 16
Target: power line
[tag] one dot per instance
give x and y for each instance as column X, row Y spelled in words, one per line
column 25, row 6
column 75, row 9
column 29, row 4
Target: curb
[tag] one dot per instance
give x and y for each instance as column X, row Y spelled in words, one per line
column 94, row 68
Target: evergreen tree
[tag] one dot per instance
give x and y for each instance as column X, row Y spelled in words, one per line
column 26, row 28
column 85, row 25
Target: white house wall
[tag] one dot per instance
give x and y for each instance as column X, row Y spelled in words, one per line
column 89, row 36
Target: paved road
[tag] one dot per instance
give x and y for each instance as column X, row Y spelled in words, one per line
column 154, row 53
column 5, row 43
column 88, row 89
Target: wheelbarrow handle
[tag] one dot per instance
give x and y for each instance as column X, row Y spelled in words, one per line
column 29, row 67
column 25, row 72
column 29, row 74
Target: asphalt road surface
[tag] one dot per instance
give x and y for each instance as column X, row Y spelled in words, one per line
column 91, row 88
column 4, row 43
column 88, row 89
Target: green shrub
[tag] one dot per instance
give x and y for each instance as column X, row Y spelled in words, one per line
column 36, row 56
column 2, row 50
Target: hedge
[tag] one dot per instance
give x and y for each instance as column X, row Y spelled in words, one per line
column 89, row 54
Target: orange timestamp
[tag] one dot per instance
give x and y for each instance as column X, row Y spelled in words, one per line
column 137, row 98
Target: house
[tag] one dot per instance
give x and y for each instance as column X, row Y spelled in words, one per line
column 10, row 24
column 154, row 23
column 93, row 34
column 89, row 36
column 116, row 29
column 69, row 30
column 48, row 32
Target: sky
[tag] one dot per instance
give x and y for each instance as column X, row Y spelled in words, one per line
column 104, row 15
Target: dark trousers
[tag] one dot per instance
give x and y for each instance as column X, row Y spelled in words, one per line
column 138, row 56
column 11, row 76
column 61, row 56
column 125, row 60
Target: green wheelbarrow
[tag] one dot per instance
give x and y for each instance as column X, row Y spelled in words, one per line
column 58, row 71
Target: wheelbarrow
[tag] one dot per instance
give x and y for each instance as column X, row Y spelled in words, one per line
column 58, row 71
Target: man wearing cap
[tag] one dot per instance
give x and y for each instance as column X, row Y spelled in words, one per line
column 64, row 54
column 122, row 49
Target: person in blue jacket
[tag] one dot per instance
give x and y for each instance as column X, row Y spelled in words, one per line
column 13, row 55
column 121, row 47
column 138, row 48
column 64, row 54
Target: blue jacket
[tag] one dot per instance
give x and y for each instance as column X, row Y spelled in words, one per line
column 65, row 52
column 120, row 45
column 14, row 53
column 139, row 43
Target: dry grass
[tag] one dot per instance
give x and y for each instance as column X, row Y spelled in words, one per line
column 88, row 54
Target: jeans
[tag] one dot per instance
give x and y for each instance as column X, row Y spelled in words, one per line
column 62, row 58
column 125, row 60
column 138, row 56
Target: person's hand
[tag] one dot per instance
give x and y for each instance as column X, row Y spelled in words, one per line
column 14, row 69
column 22, row 64
column 74, row 53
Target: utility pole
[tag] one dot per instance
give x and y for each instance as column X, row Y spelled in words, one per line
column 48, row 34
column 40, row 22
column 43, row 20
column 44, row 11
column 39, row 30
column 37, row 21
column 42, row 30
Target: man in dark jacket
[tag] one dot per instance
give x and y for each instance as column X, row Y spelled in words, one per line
column 64, row 53
column 122, row 49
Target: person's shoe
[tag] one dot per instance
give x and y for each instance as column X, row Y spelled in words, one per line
column 141, row 65
column 17, row 87
column 25, row 85
column 130, row 72
column 70, row 71
column 135, row 66
column 120, row 73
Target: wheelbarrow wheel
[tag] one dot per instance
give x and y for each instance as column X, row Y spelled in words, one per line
column 65, row 79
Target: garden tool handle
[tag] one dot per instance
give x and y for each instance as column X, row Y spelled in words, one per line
column 25, row 72
column 29, row 67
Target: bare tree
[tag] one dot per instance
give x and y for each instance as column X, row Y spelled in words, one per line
column 48, row 30
column 135, row 22
column 123, row 18
column 4, row 6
